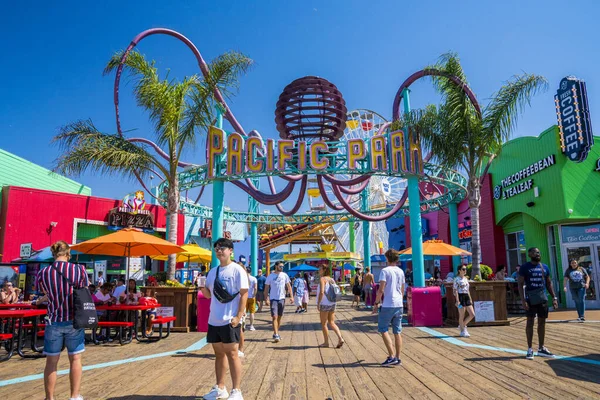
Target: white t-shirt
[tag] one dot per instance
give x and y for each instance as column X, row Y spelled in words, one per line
column 102, row 297
column 277, row 283
column 252, row 282
column 393, row 276
column 234, row 277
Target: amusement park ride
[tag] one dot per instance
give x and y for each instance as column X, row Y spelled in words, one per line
column 363, row 171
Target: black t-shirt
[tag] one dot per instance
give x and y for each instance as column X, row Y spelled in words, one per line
column 577, row 277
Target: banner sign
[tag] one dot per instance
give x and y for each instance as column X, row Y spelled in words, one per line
column 574, row 123
column 580, row 233
column 503, row 191
column 132, row 214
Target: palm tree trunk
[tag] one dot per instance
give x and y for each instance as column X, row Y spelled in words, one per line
column 172, row 215
column 474, row 203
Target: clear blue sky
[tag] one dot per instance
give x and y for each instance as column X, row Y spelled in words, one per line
column 54, row 54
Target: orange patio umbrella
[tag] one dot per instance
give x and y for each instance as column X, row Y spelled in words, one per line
column 127, row 242
column 438, row 248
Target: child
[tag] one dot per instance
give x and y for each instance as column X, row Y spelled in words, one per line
column 151, row 313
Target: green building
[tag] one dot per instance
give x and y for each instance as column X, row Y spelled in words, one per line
column 544, row 200
column 16, row 171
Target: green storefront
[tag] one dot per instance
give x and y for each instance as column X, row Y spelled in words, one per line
column 544, row 200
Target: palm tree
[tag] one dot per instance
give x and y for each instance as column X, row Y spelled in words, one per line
column 179, row 110
column 466, row 140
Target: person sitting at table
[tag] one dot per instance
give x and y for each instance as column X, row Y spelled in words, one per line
column 102, row 297
column 9, row 294
column 131, row 295
column 120, row 289
column 500, row 273
column 150, row 314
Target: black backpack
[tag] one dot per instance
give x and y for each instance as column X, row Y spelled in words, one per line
column 84, row 309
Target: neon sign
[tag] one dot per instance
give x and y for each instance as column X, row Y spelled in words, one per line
column 394, row 153
column 574, row 124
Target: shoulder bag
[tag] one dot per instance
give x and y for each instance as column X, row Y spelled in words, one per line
column 84, row 309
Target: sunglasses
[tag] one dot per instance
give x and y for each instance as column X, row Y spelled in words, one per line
column 221, row 248
column 463, row 269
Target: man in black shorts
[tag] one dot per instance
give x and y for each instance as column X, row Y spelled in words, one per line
column 535, row 276
column 275, row 288
column 224, row 326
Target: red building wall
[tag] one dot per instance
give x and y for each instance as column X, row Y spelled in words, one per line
column 26, row 215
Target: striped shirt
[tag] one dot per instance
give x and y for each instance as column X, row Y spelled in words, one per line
column 59, row 291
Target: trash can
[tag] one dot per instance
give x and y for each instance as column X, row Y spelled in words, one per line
column 203, row 310
column 424, row 306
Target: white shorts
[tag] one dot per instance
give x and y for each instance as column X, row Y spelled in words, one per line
column 298, row 301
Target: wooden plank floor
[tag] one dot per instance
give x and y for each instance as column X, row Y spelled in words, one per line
column 436, row 364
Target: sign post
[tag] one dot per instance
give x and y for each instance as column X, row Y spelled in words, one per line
column 218, row 197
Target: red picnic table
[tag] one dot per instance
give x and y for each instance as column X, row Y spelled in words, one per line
column 15, row 306
column 133, row 326
column 16, row 329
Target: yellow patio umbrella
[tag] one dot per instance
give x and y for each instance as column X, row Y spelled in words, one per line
column 127, row 242
column 438, row 248
column 191, row 253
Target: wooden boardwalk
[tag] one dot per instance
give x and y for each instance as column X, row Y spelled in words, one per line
column 436, row 364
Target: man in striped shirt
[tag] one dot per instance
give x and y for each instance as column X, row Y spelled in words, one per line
column 59, row 329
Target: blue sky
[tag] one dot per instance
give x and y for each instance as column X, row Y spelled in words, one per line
column 54, row 54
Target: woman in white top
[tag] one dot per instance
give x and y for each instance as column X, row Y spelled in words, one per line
column 463, row 301
column 327, row 309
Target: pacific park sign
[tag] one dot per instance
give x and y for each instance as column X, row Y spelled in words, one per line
column 394, row 153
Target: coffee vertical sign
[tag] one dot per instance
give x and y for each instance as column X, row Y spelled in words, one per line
column 574, row 124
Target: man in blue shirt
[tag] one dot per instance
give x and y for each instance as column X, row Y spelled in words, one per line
column 535, row 276
column 260, row 289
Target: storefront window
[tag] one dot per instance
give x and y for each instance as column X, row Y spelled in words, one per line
column 516, row 253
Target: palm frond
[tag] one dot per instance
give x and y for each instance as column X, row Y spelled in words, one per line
column 225, row 71
column 84, row 148
column 500, row 115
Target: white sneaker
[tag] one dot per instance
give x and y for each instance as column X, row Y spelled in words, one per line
column 251, row 328
column 80, row 397
column 236, row 394
column 216, row 393
column 465, row 333
column 240, row 355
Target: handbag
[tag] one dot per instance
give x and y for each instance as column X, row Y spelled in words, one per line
column 220, row 291
column 84, row 309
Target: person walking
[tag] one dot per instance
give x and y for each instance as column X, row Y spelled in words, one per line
column 368, row 286
column 463, row 301
column 251, row 303
column 260, row 289
column 275, row 288
column 59, row 331
column 579, row 282
column 306, row 296
column 326, row 307
column 299, row 287
column 391, row 288
column 227, row 288
column 535, row 276
column 356, row 282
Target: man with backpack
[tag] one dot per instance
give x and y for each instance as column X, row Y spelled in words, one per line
column 275, row 288
column 227, row 288
column 391, row 287
column 59, row 332
column 535, row 276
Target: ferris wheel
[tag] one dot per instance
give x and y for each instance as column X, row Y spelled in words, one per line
column 383, row 192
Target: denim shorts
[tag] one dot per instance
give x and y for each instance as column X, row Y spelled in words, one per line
column 61, row 334
column 387, row 316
